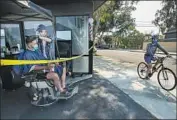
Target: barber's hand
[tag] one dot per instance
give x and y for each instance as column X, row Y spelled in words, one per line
column 50, row 65
column 57, row 64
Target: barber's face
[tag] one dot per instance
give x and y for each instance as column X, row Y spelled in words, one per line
column 44, row 33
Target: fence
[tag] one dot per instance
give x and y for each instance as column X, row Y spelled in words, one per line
column 169, row 46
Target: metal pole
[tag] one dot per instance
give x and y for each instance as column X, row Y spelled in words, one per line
column 55, row 40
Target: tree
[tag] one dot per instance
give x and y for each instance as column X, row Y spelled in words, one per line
column 133, row 40
column 113, row 14
column 108, row 40
column 166, row 17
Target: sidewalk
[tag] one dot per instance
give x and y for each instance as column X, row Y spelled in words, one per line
column 142, row 51
column 97, row 99
column 148, row 94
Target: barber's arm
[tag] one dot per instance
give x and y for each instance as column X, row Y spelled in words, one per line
column 162, row 49
column 45, row 39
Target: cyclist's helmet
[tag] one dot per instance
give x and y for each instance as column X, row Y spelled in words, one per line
column 154, row 38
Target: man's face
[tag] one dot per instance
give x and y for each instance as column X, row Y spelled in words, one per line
column 44, row 33
column 32, row 44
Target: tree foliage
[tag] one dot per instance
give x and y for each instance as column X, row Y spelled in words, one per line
column 134, row 40
column 108, row 39
column 113, row 14
column 166, row 17
column 117, row 14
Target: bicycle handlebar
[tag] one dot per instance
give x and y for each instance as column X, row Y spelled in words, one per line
column 162, row 58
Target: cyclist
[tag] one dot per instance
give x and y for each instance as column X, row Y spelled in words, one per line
column 150, row 52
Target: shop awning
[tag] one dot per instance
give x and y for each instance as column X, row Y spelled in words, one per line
column 21, row 10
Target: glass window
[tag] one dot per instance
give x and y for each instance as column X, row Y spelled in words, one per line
column 2, row 42
column 12, row 35
column 81, row 65
column 79, row 28
column 30, row 28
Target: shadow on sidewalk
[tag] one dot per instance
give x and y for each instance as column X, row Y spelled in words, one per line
column 97, row 99
column 127, row 79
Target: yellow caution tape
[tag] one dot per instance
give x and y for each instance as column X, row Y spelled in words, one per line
column 5, row 62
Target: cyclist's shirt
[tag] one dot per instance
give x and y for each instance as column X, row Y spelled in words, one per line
column 152, row 47
column 151, row 50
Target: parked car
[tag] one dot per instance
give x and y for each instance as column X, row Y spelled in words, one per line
column 103, row 46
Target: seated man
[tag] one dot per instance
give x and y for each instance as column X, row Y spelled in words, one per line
column 55, row 73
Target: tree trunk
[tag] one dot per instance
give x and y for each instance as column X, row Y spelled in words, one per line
column 100, row 38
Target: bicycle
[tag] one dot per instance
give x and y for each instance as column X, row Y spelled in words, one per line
column 158, row 65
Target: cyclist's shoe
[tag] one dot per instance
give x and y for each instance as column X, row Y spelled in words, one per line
column 150, row 75
column 147, row 78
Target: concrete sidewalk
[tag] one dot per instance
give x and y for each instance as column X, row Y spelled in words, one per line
column 148, row 94
column 97, row 99
column 142, row 51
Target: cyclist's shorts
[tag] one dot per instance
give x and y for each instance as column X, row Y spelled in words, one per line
column 148, row 58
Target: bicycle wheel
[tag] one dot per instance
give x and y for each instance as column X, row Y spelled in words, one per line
column 167, row 79
column 142, row 70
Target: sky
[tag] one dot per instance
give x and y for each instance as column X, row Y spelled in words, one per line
column 144, row 14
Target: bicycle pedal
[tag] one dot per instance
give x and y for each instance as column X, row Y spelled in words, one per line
column 150, row 75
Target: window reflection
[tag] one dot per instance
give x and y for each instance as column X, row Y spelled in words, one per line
column 12, row 34
column 79, row 27
column 10, row 39
column 30, row 28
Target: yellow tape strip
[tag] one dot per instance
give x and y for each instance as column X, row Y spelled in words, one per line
column 4, row 62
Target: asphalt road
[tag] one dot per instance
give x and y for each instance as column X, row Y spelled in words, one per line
column 132, row 57
column 97, row 99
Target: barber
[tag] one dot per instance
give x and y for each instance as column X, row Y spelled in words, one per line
column 44, row 41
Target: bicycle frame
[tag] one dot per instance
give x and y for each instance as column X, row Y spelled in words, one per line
column 159, row 61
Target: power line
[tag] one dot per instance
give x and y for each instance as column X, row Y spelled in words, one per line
column 144, row 21
column 145, row 26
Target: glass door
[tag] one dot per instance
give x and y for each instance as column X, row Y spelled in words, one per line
column 78, row 25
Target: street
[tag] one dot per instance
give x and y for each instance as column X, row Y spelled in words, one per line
column 131, row 57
